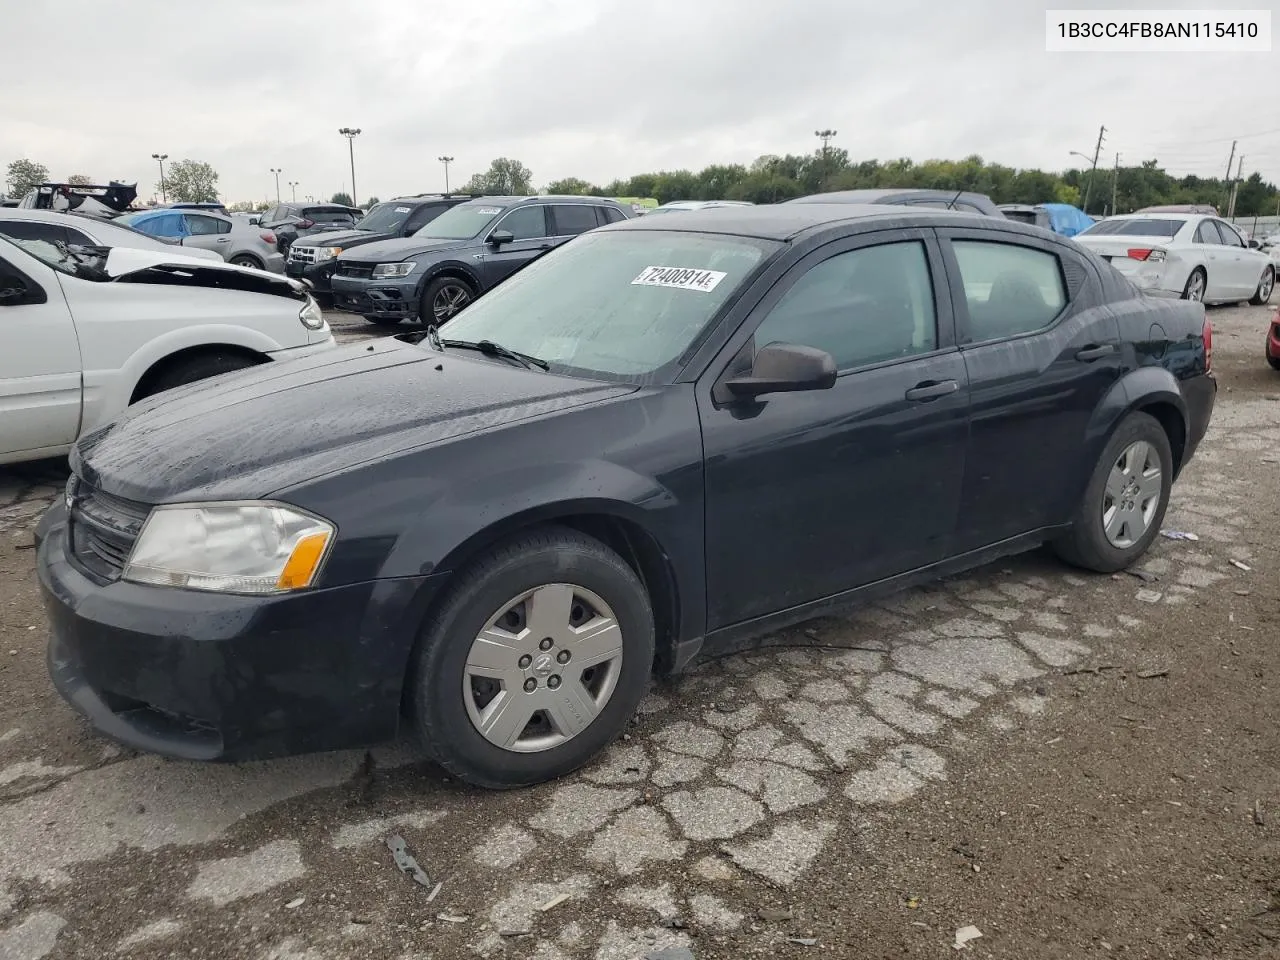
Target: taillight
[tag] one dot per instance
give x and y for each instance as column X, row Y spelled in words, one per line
column 1208, row 345
column 268, row 236
column 1152, row 254
column 306, row 224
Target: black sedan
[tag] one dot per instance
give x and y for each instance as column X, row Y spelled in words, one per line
column 653, row 442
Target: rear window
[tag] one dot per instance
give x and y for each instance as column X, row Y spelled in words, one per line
column 330, row 215
column 1145, row 227
column 1022, row 216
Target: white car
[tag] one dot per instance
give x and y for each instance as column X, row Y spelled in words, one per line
column 1187, row 255
column 54, row 227
column 88, row 332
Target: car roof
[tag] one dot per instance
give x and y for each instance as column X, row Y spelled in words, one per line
column 500, row 201
column 786, row 221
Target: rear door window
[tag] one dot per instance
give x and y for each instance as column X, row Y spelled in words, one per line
column 199, row 225
column 572, row 219
column 1010, row 289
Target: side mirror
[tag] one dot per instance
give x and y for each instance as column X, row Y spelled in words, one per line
column 499, row 237
column 1253, row 244
column 785, row 368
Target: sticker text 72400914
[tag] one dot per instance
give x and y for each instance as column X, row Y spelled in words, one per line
column 680, row 278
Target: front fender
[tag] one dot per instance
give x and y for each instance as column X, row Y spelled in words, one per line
column 448, row 266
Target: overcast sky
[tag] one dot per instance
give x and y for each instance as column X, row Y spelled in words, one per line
column 596, row 88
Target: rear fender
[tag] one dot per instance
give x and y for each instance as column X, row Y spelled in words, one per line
column 1144, row 387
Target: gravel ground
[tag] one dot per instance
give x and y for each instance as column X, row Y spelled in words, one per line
column 1074, row 765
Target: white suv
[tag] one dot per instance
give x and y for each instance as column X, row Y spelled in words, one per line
column 88, row 331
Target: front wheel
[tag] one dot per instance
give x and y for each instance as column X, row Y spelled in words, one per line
column 199, row 367
column 535, row 661
column 1265, row 287
column 443, row 298
column 1125, row 501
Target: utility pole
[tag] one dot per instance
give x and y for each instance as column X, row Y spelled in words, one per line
column 351, row 133
column 446, row 161
column 1230, row 160
column 1088, row 188
column 1235, row 187
column 826, row 137
column 1115, row 185
column 277, row 171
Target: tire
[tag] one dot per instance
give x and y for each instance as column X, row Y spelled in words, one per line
column 195, row 368
column 250, row 262
column 1266, row 286
column 1087, row 544
column 448, row 702
column 1189, row 289
column 1275, row 362
column 443, row 298
column 384, row 321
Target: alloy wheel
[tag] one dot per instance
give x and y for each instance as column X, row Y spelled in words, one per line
column 1267, row 285
column 1195, row 286
column 448, row 300
column 543, row 668
column 1132, row 494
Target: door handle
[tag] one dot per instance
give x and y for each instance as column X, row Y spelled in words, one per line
column 932, row 390
column 224, row 239
column 1096, row 352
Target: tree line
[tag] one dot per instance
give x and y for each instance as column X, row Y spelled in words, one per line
column 772, row 178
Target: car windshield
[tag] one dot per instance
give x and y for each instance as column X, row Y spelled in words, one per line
column 385, row 218
column 1144, row 227
column 461, row 222
column 620, row 305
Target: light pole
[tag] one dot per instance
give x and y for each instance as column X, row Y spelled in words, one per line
column 446, row 161
column 1089, row 186
column 161, row 158
column 277, row 171
column 293, row 187
column 825, row 136
column 351, row 133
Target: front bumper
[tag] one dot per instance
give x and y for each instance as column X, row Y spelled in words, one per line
column 204, row 676
column 316, row 274
column 389, row 299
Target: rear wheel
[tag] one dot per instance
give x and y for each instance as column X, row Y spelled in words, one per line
column 249, row 262
column 1125, row 500
column 1275, row 362
column 1196, row 283
column 1265, row 287
column 443, row 298
column 534, row 662
column 191, row 369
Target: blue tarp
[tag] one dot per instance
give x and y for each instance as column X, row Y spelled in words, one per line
column 1066, row 219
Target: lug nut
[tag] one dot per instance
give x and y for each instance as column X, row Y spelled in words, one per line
column 563, row 656
column 553, row 681
column 525, row 661
column 546, row 643
column 530, row 685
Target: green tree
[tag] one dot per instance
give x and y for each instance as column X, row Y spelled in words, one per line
column 24, row 174
column 372, row 201
column 573, row 187
column 342, row 198
column 505, row 177
column 243, row 206
column 190, row 181
column 80, row 179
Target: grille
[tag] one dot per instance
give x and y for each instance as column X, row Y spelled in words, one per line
column 359, row 270
column 302, row 254
column 102, row 528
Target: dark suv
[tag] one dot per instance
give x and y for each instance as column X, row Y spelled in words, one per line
column 460, row 254
column 313, row 260
column 289, row 221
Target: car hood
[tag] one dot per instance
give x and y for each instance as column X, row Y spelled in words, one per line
column 342, row 238
column 260, row 431
column 391, row 251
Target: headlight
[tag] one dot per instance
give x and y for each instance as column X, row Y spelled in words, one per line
column 385, row 270
column 326, row 253
column 230, row 548
column 311, row 316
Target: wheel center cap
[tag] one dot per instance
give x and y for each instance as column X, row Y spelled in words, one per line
column 543, row 664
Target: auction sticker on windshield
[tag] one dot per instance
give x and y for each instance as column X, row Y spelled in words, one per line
column 679, row 278
column 489, row 211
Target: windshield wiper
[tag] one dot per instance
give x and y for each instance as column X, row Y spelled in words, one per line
column 491, row 349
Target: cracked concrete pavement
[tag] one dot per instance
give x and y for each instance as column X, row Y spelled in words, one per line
column 731, row 790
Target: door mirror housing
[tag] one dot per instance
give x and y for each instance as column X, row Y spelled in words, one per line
column 499, row 237
column 1253, row 244
column 785, row 368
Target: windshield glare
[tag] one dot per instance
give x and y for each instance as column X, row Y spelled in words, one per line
column 620, row 305
column 1134, row 228
column 461, row 222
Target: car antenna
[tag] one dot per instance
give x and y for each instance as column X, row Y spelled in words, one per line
column 951, row 204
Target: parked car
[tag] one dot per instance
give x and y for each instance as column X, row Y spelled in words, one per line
column 289, row 221
column 210, row 207
column 70, row 228
column 89, row 331
column 677, row 205
column 1061, row 218
column 1273, row 342
column 99, row 200
column 663, row 438
column 459, row 255
column 949, row 199
column 233, row 240
column 1206, row 208
column 1192, row 256
column 313, row 260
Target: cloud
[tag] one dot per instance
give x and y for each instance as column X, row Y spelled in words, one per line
column 593, row 88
